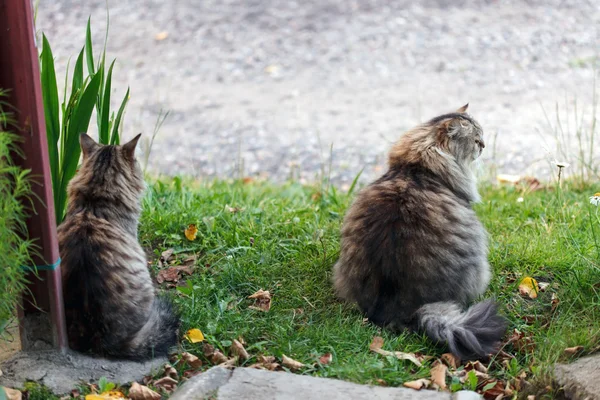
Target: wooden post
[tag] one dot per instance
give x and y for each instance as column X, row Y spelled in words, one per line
column 42, row 315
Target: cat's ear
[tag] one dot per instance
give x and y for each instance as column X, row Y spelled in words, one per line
column 88, row 145
column 451, row 127
column 463, row 109
column 129, row 147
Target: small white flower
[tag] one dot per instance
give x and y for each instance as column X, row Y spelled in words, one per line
column 520, row 200
column 595, row 199
column 561, row 164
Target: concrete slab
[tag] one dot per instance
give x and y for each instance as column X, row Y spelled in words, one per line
column 581, row 379
column 62, row 372
column 252, row 384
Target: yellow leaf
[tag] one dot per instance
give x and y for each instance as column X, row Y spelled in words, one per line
column 418, row 384
column 11, row 394
column 109, row 395
column 191, row 231
column 529, row 287
column 194, row 335
column 161, row 35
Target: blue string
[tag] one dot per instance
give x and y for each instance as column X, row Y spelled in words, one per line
column 50, row 267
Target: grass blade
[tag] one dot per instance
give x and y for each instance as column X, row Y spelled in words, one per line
column 354, row 182
column 89, row 52
column 116, row 137
column 50, row 99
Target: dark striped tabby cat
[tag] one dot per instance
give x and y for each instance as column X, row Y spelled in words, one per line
column 110, row 302
column 413, row 253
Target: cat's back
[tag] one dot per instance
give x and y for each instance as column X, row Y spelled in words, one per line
column 408, row 199
column 97, row 246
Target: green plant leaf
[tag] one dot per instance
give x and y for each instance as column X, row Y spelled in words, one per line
column 78, row 73
column 103, row 128
column 89, row 52
column 50, row 99
column 79, row 123
column 472, row 380
column 116, row 137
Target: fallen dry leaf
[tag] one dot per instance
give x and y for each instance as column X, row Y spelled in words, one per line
column 166, row 383
column 266, row 362
column 141, row 392
column 230, row 363
column 451, row 360
column 506, row 178
column 570, row 351
column 161, row 35
column 165, row 256
column 291, row 363
column 554, row 302
column 238, row 349
column 170, row 274
column 189, row 373
column 191, row 360
column 529, row 287
column 170, row 371
column 233, row 210
column 325, row 359
column 12, row 394
column 531, row 397
column 218, row 358
column 493, row 390
column 208, row 349
column 477, row 366
column 543, row 286
column 266, row 359
column 189, row 260
column 438, row 375
column 194, row 335
column 418, row 384
column 521, row 342
column 262, row 300
column 191, row 231
column 377, row 343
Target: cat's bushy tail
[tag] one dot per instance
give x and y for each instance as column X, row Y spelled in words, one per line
column 159, row 333
column 471, row 334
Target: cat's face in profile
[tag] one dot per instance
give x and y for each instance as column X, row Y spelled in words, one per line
column 107, row 167
column 460, row 135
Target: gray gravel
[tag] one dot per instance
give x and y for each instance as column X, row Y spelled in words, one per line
column 274, row 87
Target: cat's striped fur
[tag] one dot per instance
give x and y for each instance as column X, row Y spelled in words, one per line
column 413, row 252
column 110, row 301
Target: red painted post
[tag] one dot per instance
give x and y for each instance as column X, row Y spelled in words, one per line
column 20, row 72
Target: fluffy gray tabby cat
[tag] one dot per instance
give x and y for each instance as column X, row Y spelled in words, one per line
column 413, row 253
column 110, row 302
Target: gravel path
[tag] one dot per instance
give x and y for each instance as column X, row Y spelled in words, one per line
column 275, row 87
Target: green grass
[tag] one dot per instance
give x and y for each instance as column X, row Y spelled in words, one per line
column 14, row 192
column 286, row 238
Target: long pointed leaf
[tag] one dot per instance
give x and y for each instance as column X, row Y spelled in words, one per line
column 100, row 100
column 78, row 73
column 79, row 123
column 116, row 137
column 50, row 99
column 89, row 51
column 103, row 129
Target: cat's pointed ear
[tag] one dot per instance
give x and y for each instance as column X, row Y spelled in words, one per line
column 129, row 147
column 463, row 109
column 88, row 145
